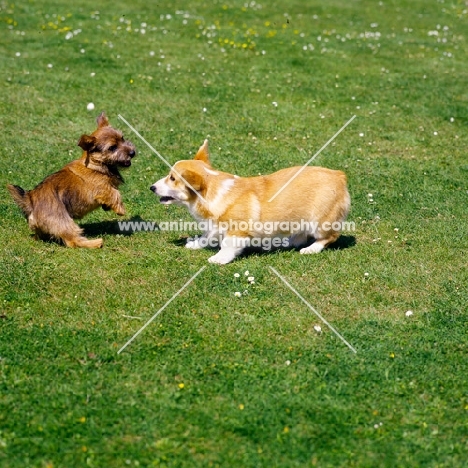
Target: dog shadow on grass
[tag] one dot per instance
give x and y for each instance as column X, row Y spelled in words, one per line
column 124, row 227
column 343, row 242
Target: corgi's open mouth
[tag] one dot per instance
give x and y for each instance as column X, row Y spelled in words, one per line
column 166, row 200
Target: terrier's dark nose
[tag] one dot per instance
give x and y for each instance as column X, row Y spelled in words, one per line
column 153, row 188
column 131, row 153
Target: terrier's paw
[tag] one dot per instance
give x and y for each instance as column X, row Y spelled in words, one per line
column 96, row 244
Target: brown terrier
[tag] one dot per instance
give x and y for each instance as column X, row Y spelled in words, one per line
column 80, row 187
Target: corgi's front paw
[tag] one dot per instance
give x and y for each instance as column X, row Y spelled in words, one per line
column 193, row 244
column 316, row 247
column 221, row 258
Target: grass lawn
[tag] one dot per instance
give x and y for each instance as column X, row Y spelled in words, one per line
column 215, row 379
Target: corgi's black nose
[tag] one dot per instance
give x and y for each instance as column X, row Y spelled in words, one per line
column 153, row 188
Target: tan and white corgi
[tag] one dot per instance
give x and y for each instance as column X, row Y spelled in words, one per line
column 294, row 206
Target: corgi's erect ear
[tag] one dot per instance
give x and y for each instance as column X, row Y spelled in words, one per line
column 203, row 154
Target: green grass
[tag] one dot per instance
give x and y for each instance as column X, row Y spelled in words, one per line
column 217, row 380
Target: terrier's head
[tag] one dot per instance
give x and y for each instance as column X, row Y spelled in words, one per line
column 107, row 146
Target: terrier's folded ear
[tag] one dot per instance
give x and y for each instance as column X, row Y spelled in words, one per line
column 87, row 142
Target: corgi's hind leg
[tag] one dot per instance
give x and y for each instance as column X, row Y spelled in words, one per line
column 321, row 243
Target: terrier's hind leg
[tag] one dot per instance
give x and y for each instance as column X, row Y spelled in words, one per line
column 69, row 232
column 82, row 242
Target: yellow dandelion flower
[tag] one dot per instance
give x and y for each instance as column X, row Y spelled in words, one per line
column 241, row 406
column 181, row 385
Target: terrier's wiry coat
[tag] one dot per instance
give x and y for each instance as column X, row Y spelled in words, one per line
column 80, row 187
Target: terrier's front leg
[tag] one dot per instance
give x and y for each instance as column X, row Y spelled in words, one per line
column 119, row 209
column 112, row 201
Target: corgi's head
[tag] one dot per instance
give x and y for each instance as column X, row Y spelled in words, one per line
column 186, row 181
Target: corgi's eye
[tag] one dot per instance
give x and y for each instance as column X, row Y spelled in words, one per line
column 172, row 178
column 112, row 148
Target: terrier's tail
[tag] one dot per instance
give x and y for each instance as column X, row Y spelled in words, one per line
column 21, row 198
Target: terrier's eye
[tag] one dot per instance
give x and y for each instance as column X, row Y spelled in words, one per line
column 112, row 148
column 172, row 178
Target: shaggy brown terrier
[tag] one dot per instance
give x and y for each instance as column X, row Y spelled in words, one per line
column 80, row 187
